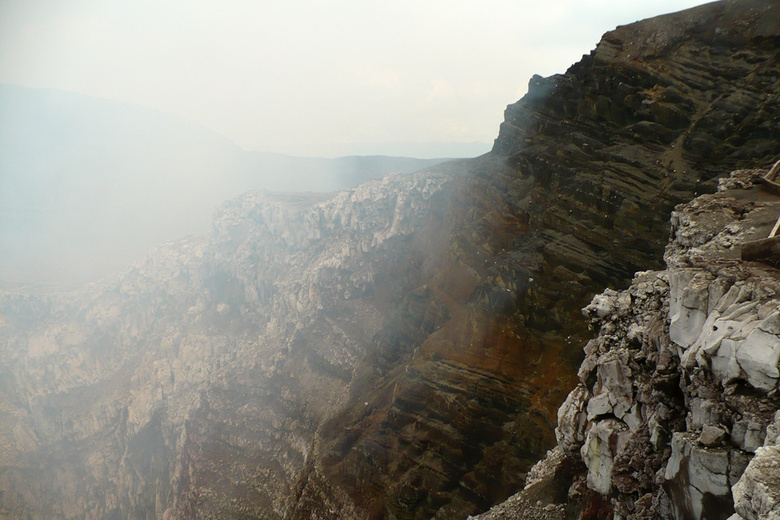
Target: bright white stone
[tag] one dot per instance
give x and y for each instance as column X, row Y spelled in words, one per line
column 758, row 356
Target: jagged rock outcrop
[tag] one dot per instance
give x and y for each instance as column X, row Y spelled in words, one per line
column 641, row 124
column 399, row 350
column 675, row 414
column 234, row 347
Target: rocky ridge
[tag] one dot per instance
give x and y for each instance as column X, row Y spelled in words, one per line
column 399, row 350
column 642, row 124
column 676, row 414
column 248, row 296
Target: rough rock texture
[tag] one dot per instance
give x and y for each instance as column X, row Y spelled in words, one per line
column 253, row 372
column 676, row 413
column 400, row 350
column 757, row 494
column 657, row 110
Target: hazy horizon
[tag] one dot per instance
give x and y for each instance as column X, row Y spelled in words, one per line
column 307, row 80
column 401, row 149
column 172, row 93
column 88, row 185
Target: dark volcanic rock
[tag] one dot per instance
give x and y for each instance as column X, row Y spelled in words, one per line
column 700, row 447
column 646, row 120
column 398, row 350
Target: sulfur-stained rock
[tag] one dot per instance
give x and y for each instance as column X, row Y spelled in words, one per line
column 603, row 442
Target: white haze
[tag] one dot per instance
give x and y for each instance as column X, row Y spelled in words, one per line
column 124, row 124
column 89, row 185
column 310, row 78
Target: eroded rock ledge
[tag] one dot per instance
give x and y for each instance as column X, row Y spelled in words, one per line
column 399, row 350
column 676, row 414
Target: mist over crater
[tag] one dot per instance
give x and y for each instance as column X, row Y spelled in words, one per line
column 368, row 337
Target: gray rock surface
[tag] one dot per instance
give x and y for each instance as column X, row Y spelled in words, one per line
column 757, row 494
column 712, row 436
column 137, row 390
column 676, row 413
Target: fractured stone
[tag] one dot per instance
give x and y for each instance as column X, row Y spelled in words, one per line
column 603, row 442
column 758, row 356
column 748, row 432
column 712, row 435
column 570, row 432
column 757, row 494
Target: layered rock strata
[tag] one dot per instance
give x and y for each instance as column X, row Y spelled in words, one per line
column 653, row 115
column 676, row 412
column 399, row 350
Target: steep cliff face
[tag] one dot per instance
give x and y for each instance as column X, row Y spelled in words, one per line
column 576, row 195
column 676, row 414
column 651, row 116
column 193, row 385
column 398, row 350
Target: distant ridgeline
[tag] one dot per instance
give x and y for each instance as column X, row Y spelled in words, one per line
column 399, row 349
column 88, row 186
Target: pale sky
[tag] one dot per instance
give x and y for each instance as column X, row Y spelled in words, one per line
column 310, row 77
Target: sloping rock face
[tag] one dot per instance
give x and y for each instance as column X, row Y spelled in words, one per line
column 676, row 412
column 651, row 116
column 399, row 350
column 193, row 385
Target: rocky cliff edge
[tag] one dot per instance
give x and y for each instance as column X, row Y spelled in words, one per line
column 400, row 350
column 676, row 414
